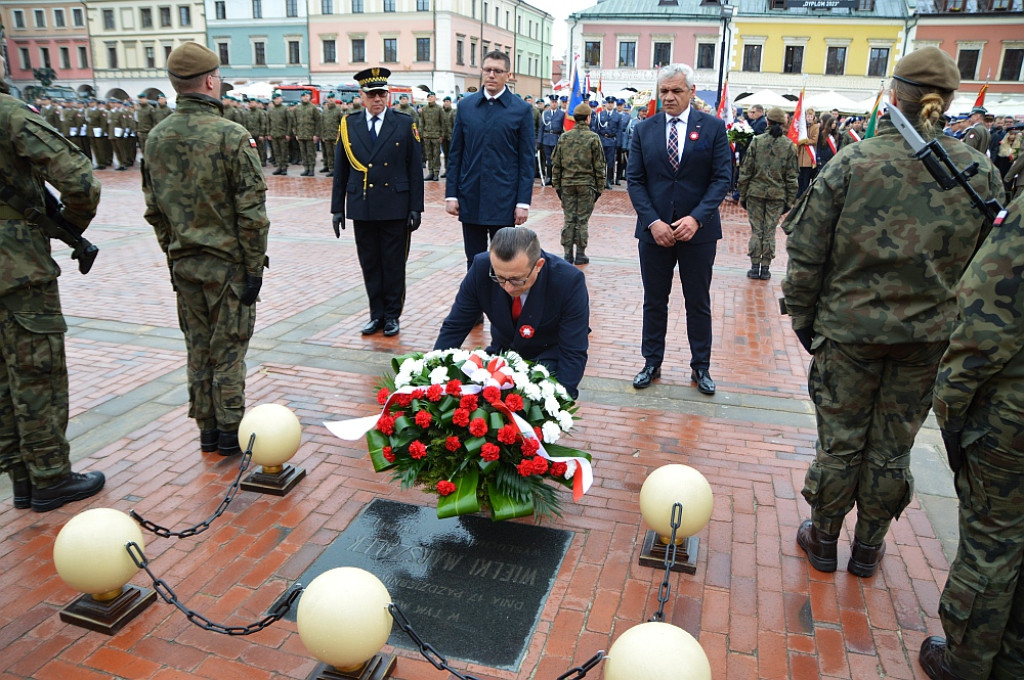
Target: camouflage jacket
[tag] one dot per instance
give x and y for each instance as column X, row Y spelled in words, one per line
column 204, row 186
column 770, row 170
column 980, row 386
column 256, row 122
column 307, row 121
column 160, row 112
column 447, row 122
column 280, row 121
column 431, row 121
column 32, row 152
column 875, row 247
column 144, row 118
column 578, row 160
column 410, row 110
column 977, row 137
column 330, row 122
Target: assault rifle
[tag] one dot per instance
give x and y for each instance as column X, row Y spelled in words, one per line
column 54, row 224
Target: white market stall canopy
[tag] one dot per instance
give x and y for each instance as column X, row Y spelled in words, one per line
column 765, row 98
column 826, row 101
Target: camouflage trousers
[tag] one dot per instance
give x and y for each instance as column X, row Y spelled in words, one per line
column 307, row 147
column 869, row 401
column 982, row 605
column 328, row 151
column 764, row 214
column 432, row 154
column 261, row 149
column 143, row 136
column 217, row 328
column 33, row 387
column 577, row 207
column 280, row 146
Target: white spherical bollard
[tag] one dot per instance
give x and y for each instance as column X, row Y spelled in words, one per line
column 656, row 651
column 672, row 484
column 278, row 434
column 90, row 554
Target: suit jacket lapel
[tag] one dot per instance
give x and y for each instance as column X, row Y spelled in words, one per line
column 694, row 125
column 359, row 134
column 387, row 129
column 533, row 310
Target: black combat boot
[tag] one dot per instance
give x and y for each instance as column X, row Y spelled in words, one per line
column 22, row 486
column 820, row 548
column 208, row 440
column 933, row 659
column 75, row 487
column 581, row 255
column 227, row 444
column 864, row 558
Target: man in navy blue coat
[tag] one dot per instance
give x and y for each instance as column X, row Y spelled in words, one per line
column 680, row 168
column 537, row 304
column 490, row 169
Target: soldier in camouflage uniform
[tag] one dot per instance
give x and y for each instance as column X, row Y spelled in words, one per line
column 432, row 123
column 447, row 125
column 307, row 131
column 143, row 121
column 330, row 123
column 408, row 109
column 34, row 449
column 258, row 126
column 875, row 250
column 979, row 405
column 162, row 110
column 280, row 133
column 977, row 135
column 767, row 184
column 206, row 199
column 578, row 173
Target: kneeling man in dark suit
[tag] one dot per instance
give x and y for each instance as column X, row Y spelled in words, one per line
column 537, row 304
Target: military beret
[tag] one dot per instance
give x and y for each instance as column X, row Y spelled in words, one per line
column 776, row 115
column 979, row 109
column 581, row 111
column 447, row 99
column 192, row 59
column 928, row 67
column 277, row 93
column 431, row 94
column 142, row 95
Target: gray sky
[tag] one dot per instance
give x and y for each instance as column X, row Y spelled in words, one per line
column 560, row 9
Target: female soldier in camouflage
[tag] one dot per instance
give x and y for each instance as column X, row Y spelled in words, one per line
column 768, row 182
column 875, row 250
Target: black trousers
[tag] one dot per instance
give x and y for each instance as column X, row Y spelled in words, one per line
column 383, row 248
column 476, row 237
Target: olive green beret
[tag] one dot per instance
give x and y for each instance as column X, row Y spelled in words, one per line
column 191, row 59
column 928, row 67
column 776, row 115
column 582, row 111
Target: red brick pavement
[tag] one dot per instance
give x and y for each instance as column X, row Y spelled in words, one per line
column 757, row 608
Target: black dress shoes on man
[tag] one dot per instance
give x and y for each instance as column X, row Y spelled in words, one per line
column 933, row 659
column 372, row 327
column 705, row 385
column 391, row 327
column 75, row 487
column 644, row 378
column 820, row 549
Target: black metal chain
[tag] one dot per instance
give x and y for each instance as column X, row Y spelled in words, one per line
column 670, row 561
column 428, row 652
column 167, row 595
column 581, row 671
column 243, row 465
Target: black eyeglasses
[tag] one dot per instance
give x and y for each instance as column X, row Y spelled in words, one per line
column 514, row 282
column 494, row 71
column 375, row 95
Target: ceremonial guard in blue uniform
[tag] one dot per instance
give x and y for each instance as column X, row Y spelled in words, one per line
column 608, row 129
column 552, row 124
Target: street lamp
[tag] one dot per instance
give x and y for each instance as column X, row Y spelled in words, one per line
column 727, row 13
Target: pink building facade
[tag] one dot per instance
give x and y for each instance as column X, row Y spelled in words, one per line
column 987, row 48
column 53, row 34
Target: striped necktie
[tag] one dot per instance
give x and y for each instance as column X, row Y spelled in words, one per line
column 673, row 144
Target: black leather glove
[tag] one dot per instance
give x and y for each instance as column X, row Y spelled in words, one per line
column 170, row 268
column 414, row 220
column 338, row 220
column 806, row 336
column 954, row 452
column 252, row 289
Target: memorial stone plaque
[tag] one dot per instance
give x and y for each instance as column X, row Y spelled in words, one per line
column 472, row 588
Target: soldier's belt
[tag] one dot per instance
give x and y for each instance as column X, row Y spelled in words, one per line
column 9, row 213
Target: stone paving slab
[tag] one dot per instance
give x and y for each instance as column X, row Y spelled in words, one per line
column 754, row 604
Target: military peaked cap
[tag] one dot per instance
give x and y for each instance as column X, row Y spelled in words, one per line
column 372, row 79
column 190, row 60
column 928, row 67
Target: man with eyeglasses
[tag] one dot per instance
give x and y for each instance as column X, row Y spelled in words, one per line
column 537, row 304
column 378, row 184
column 490, row 170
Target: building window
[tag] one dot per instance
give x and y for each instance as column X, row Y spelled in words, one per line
column 146, row 17
column 219, row 11
column 472, row 7
column 422, row 5
column 662, row 54
column 224, row 52
column 835, row 61
column 1013, row 59
column 111, row 57
column 58, row 18
column 358, row 50
column 390, row 49
column 497, row 13
column 44, row 57
column 955, row 5
column 326, row 6
column 999, row 5
column 472, row 54
column 357, row 6
column 167, row 52
column 519, row 24
column 83, row 57
column 257, row 9
column 19, row 18
column 422, row 49
column 293, row 52
column 793, row 60
column 506, row 20
column 40, row 18
column 752, row 58
column 967, row 62
column 165, row 17
column 389, row 5
column 459, row 56
column 65, row 58
column 150, row 57
column 627, row 54
column 706, row 55
column 866, row 5
column 26, row 59
column 592, row 53
column 330, row 52
column 184, row 15
column 878, row 62
column 291, row 8
column 259, row 53
column 77, row 18
column 108, row 19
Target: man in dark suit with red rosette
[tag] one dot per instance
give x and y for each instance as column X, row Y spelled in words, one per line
column 679, row 171
column 537, row 304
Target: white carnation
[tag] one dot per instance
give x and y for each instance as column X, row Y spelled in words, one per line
column 459, row 356
column 480, row 375
column 551, row 405
column 515, row 361
column 562, row 392
column 547, row 389
column 564, row 419
column 542, row 369
column 402, row 379
column 520, row 379
column 550, row 431
column 531, row 391
column 439, row 375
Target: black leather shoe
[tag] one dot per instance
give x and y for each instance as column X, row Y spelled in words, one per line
column 227, row 444
column 372, row 327
column 820, row 549
column 390, row 327
column 329, row 174
column 864, row 559
column 705, row 385
column 933, row 659
column 644, row 378
column 22, row 493
column 74, row 487
column 754, row 272
column 208, row 440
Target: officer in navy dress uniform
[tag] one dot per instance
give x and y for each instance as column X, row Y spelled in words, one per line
column 378, row 184
column 607, row 128
column 552, row 124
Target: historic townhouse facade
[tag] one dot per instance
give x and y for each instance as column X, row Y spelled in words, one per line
column 47, row 33
column 260, row 40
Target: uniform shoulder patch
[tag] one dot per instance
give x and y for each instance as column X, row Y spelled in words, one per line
column 252, row 142
column 415, row 132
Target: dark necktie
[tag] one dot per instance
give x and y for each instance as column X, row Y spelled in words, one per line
column 517, row 308
column 373, row 128
column 673, row 144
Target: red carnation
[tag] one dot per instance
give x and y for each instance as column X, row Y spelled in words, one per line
column 524, row 468
column 478, row 428
column 417, row 450
column 382, row 396
column 423, row 418
column 386, row 424
column 453, row 388
column 388, row 456
column 558, row 469
column 489, row 452
column 403, row 400
column 452, row 444
column 536, row 431
column 469, row 402
column 540, row 465
column 508, row 434
column 530, row 446
column 445, row 488
column 418, row 393
column 514, row 402
column 435, row 392
column 461, row 417
column 492, row 394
